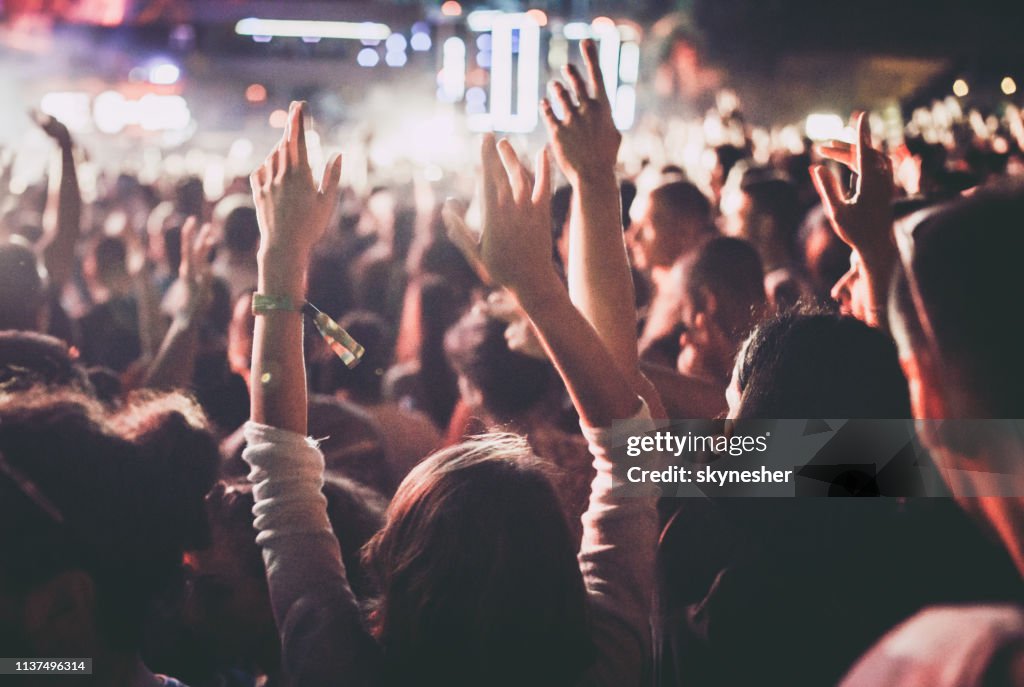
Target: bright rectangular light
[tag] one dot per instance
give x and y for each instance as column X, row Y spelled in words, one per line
column 300, row 28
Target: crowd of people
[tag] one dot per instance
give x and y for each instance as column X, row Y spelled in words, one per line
column 455, row 519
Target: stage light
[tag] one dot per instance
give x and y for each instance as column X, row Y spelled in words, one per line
column 256, row 93
column 539, row 16
column 452, row 78
column 164, row 74
column 163, row 113
column 1008, row 85
column 482, row 20
column 70, row 107
column 278, row 119
column 420, row 42
column 395, row 43
column 602, row 24
column 576, row 30
column 625, row 107
column 109, row 112
column 367, row 57
column 823, row 127
column 395, row 59
column 524, row 118
column 451, row 8
column 960, row 88
column 629, row 63
column 302, row 28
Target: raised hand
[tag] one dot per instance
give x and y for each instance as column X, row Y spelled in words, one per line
column 53, row 127
column 864, row 219
column 515, row 245
column 293, row 210
column 195, row 272
column 585, row 141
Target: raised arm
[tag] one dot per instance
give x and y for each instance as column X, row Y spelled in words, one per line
column 63, row 216
column 175, row 362
column 323, row 640
column 293, row 212
column 515, row 248
column 585, row 143
column 864, row 219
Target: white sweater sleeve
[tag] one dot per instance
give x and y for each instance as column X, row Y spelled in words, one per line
column 620, row 533
column 322, row 635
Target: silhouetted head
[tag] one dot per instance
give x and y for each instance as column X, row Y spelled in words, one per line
column 817, row 365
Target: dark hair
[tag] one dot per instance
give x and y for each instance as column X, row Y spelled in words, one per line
column 356, row 513
column 241, row 231
column 365, row 379
column 126, row 495
column 478, row 574
column 730, row 269
column 684, row 199
column 774, row 195
column 22, row 289
column 440, row 308
column 806, row 364
column 29, row 359
column 561, row 202
column 510, row 383
column 966, row 267
column 111, row 254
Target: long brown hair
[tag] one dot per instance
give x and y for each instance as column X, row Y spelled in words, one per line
column 477, row 572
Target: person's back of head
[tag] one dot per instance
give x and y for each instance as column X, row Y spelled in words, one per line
column 363, row 382
column 506, row 384
column 22, row 286
column 29, row 359
column 728, row 273
column 100, row 513
column 110, row 257
column 817, row 365
column 477, row 572
column 241, row 231
column 962, row 266
column 770, row 216
column 685, row 202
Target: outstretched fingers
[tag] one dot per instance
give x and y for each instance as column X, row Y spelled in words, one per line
column 590, row 58
column 519, row 179
column 832, row 197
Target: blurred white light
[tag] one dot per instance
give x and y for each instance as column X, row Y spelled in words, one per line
column 163, row 113
column 395, row 43
column 70, row 107
column 524, row 118
column 302, row 28
column 608, row 52
column 311, row 39
column 420, row 42
column 109, row 111
column 262, row 39
column 960, row 88
column 625, row 107
column 367, row 57
column 823, row 126
column 482, row 20
column 433, row 173
column 395, row 59
column 483, row 41
column 476, row 95
column 164, row 74
column 629, row 63
column 1008, row 85
column 453, row 71
column 576, row 30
